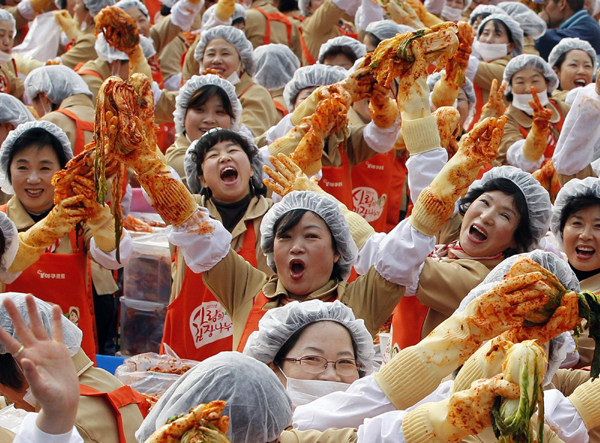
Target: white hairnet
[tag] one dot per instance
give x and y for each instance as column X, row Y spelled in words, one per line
column 11, row 242
column 7, row 147
column 354, row 45
column 513, row 28
column 106, row 52
column 384, row 29
column 536, row 197
column 310, row 77
column 568, row 44
column 278, row 325
column 467, row 87
column 128, row 4
column 324, row 207
column 531, row 61
column 484, row 10
column 72, row 335
column 12, row 110
column 531, row 23
column 57, row 81
column 191, row 167
column 233, row 36
column 275, row 66
column 191, row 86
column 7, row 16
column 94, row 6
column 257, row 404
column 588, row 187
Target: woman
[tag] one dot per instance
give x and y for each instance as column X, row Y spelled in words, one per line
column 517, row 147
column 223, row 171
column 574, row 62
column 480, row 13
column 204, row 102
column 465, row 102
column 227, row 50
column 376, row 32
column 98, row 418
column 56, row 264
column 60, row 96
column 341, row 51
column 315, row 348
column 532, row 25
column 10, row 83
column 498, row 39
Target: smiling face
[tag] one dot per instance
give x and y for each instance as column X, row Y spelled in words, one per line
column 223, row 57
column 209, row 115
column 31, row 172
column 489, row 225
column 581, row 236
column 576, row 70
column 524, row 79
column 304, row 255
column 142, row 21
column 226, row 171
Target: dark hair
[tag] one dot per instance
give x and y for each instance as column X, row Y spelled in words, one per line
column 205, row 93
column 213, row 137
column 288, row 5
column 575, row 5
column 577, row 204
column 291, row 342
column 374, row 39
column 344, row 50
column 291, row 219
column 37, row 138
column 238, row 20
column 3, row 244
column 523, row 235
column 11, row 375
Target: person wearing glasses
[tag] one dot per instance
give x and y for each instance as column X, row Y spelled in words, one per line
column 314, row 347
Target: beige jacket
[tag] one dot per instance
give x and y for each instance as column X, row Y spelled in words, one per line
column 83, row 50
column 560, row 95
column 191, row 66
column 10, row 83
column 517, row 119
column 163, row 33
column 81, row 105
column 170, row 58
column 176, row 153
column 258, row 110
column 320, row 27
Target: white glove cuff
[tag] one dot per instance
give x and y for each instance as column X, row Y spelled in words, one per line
column 515, row 157
column 184, row 13
column 108, row 260
column 26, row 10
column 381, row 140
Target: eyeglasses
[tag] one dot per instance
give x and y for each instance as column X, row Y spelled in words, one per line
column 315, row 364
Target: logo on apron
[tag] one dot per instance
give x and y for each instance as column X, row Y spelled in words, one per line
column 74, row 315
column 210, row 322
column 367, row 203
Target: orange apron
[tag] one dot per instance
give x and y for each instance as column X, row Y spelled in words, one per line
column 371, row 186
column 80, row 126
column 337, row 180
column 278, row 17
column 80, row 71
column 552, row 140
column 478, row 106
column 117, row 399
column 197, row 326
column 61, row 279
column 407, row 322
column 281, row 108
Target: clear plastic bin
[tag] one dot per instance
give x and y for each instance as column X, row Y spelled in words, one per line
column 141, row 326
column 148, row 273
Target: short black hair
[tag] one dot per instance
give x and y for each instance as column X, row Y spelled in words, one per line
column 238, row 20
column 11, row 375
column 575, row 205
column 291, row 219
column 288, row 5
column 344, row 50
column 37, row 138
column 523, row 235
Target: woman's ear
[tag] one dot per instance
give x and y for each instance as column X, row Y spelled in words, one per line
column 511, row 46
column 202, row 181
column 336, row 257
column 555, row 71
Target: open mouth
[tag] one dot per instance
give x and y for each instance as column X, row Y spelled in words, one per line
column 477, row 234
column 33, row 193
column 297, row 268
column 585, row 252
column 229, row 175
column 579, row 82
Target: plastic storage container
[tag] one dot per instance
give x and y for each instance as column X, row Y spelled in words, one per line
column 141, row 326
column 148, row 273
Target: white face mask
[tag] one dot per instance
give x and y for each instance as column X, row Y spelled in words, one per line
column 5, row 57
column 521, row 101
column 452, row 14
column 303, row 392
column 490, row 51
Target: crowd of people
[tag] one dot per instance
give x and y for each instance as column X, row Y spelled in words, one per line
column 353, row 258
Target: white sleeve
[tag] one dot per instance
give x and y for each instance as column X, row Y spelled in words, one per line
column 515, row 157
column 368, row 12
column 563, row 418
column 368, row 253
column 280, row 129
column 472, row 68
column 422, row 169
column 435, row 6
column 381, row 140
column 108, row 260
column 580, row 133
column 349, row 6
column 184, row 13
column 202, row 251
column 28, row 432
column 26, row 10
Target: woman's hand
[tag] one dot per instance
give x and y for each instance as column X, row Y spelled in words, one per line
column 495, row 106
column 537, row 139
column 413, row 92
column 287, row 177
column 47, row 366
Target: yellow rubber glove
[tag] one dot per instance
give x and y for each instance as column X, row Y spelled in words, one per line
column 537, row 139
column 224, row 9
column 67, row 24
column 103, row 229
column 586, row 399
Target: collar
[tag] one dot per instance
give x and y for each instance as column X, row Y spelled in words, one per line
column 591, row 283
column 245, row 82
column 76, row 100
column 82, row 362
column 182, row 141
column 275, row 291
column 526, row 121
column 277, row 93
column 257, row 207
column 18, row 214
column 579, row 15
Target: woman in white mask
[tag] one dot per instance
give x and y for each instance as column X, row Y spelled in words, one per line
column 455, row 10
column 499, row 38
column 520, row 75
column 315, row 348
column 227, row 50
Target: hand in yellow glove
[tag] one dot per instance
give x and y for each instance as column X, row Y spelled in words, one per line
column 413, row 92
column 224, row 9
column 495, row 106
column 67, row 24
column 287, row 177
column 537, row 139
column 382, row 107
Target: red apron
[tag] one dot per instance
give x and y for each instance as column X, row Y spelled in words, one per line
column 118, row 399
column 337, row 180
column 371, row 186
column 552, row 140
column 278, row 17
column 61, row 279
column 256, row 314
column 407, row 322
column 80, row 126
column 197, row 326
